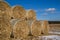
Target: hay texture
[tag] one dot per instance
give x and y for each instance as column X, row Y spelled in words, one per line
column 18, row 12
column 5, row 28
column 31, row 15
column 21, row 29
column 36, row 28
column 5, row 9
column 44, row 27
column 36, row 38
column 28, row 38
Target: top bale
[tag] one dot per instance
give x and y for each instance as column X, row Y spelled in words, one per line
column 5, row 9
column 31, row 15
column 18, row 12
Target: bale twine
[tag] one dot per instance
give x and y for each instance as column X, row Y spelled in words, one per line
column 44, row 27
column 5, row 28
column 5, row 9
column 18, row 12
column 21, row 29
column 36, row 28
column 31, row 15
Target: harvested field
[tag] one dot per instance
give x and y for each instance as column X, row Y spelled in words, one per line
column 54, row 29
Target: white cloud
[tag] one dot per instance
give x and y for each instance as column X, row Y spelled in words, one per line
column 50, row 9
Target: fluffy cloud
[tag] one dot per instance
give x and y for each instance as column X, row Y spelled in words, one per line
column 51, row 9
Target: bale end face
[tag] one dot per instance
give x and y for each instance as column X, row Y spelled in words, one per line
column 36, row 28
column 21, row 29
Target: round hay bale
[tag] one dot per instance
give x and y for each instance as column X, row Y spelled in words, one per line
column 5, row 28
column 44, row 27
column 36, row 28
column 5, row 9
column 31, row 15
column 29, row 23
column 21, row 29
column 18, row 12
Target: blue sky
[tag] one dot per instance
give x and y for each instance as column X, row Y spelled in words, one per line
column 45, row 9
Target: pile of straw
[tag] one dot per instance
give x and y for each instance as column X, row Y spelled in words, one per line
column 36, row 28
column 31, row 15
column 21, row 29
column 18, row 12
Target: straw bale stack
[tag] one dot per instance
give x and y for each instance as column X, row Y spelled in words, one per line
column 31, row 15
column 5, row 28
column 18, row 12
column 21, row 29
column 5, row 9
column 44, row 27
column 36, row 28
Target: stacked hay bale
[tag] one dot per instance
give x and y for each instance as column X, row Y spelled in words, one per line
column 5, row 9
column 5, row 28
column 30, row 17
column 21, row 29
column 36, row 28
column 18, row 12
column 44, row 27
column 25, row 25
